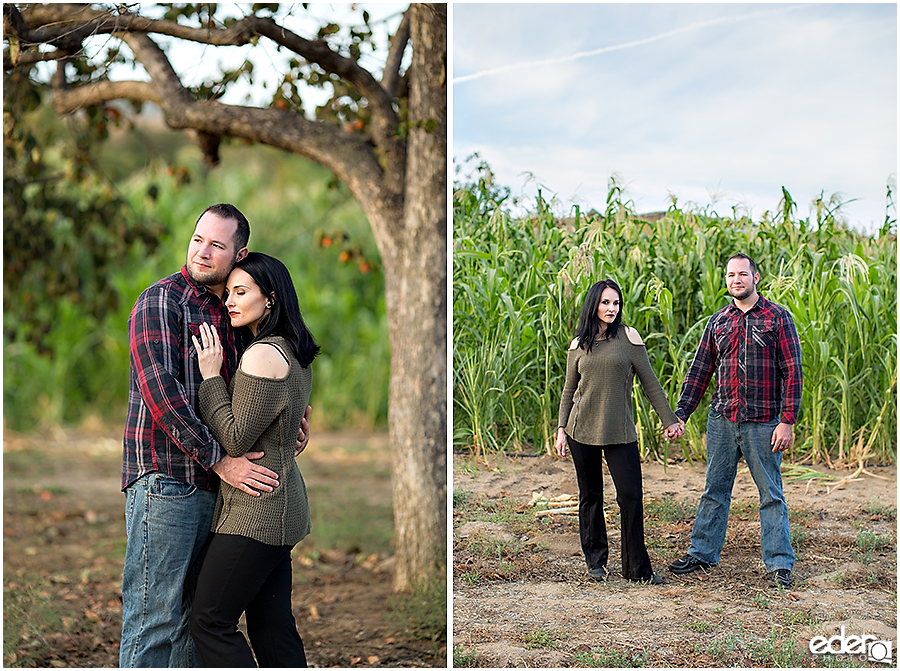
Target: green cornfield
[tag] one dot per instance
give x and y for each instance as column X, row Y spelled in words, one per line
column 519, row 283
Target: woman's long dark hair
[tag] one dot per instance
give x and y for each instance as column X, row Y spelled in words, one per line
column 284, row 318
column 589, row 324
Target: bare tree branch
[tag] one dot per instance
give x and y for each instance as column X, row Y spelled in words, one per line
column 66, row 101
column 157, row 65
column 348, row 156
column 376, row 177
column 65, row 25
column 13, row 23
column 72, row 22
column 208, row 144
column 380, row 101
column 391, row 75
column 32, row 57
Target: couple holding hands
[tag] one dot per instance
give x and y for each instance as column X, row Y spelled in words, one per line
column 752, row 347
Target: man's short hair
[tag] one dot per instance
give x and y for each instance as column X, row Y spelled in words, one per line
column 741, row 255
column 229, row 211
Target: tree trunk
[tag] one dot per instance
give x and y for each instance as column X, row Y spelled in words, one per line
column 401, row 186
column 416, row 287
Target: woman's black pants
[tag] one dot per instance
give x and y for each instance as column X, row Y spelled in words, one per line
column 242, row 575
column 625, row 467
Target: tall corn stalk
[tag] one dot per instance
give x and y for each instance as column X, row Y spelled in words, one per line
column 519, row 284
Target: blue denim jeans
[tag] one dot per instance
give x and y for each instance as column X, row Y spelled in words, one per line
column 168, row 522
column 726, row 442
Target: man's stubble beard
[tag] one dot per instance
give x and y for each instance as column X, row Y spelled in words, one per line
column 744, row 295
column 210, row 279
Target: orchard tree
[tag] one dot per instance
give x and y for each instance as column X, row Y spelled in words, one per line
column 384, row 136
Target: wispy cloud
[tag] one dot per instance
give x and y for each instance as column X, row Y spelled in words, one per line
column 724, row 110
column 628, row 45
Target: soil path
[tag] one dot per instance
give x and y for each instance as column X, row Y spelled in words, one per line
column 522, row 596
column 64, row 546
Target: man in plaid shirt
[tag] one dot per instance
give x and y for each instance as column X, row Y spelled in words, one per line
column 171, row 463
column 752, row 347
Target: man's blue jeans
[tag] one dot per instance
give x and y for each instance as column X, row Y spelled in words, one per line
column 168, row 522
column 726, row 441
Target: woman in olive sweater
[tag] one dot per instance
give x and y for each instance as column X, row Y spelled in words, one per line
column 247, row 568
column 596, row 418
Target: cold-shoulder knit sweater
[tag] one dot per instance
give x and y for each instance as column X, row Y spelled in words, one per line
column 260, row 414
column 596, row 405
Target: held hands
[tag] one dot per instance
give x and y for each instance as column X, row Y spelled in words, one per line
column 674, row 431
column 209, row 351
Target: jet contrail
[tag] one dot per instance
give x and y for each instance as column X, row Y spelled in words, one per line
column 617, row 47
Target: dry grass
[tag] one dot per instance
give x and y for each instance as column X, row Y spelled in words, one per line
column 517, row 574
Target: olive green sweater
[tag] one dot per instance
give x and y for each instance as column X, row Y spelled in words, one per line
column 596, row 406
column 260, row 414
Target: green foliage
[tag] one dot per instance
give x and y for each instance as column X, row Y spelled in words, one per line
column 81, row 369
column 469, row 507
column 463, row 658
column 423, row 611
column 761, row 601
column 799, row 537
column 877, row 509
column 609, row 659
column 345, row 106
column 65, row 225
column 542, row 638
column 28, row 615
column 460, row 497
column 519, row 284
column 774, row 651
column 338, row 489
column 792, row 618
column 80, row 365
column 668, row 509
column 868, row 541
column 482, row 544
column 841, row 662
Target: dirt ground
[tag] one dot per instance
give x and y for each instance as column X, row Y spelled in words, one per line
column 522, row 596
column 64, row 546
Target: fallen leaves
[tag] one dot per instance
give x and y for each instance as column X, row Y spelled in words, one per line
column 372, row 660
column 65, row 546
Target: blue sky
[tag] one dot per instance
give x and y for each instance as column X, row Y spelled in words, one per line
column 718, row 104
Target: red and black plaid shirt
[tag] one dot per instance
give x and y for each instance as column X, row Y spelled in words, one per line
column 163, row 430
column 756, row 358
